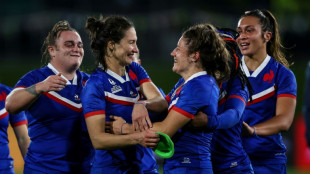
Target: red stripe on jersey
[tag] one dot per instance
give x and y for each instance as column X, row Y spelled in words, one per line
column 112, row 100
column 231, row 96
column 186, row 114
column 287, row 95
column 261, row 98
column 144, row 80
column 20, row 123
column 89, row 114
column 62, row 102
column 4, row 115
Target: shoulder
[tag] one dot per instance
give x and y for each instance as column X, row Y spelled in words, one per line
column 202, row 84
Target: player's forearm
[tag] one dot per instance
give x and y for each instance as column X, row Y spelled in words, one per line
column 272, row 126
column 157, row 105
column 20, row 99
column 107, row 141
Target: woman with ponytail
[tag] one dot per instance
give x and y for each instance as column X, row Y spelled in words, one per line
column 274, row 91
column 114, row 89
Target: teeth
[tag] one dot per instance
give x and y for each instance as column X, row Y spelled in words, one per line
column 244, row 44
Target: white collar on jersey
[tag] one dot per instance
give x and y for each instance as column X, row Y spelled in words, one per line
column 74, row 81
column 258, row 70
column 196, row 75
column 116, row 76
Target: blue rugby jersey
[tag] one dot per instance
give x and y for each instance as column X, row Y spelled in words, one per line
column 59, row 139
column 227, row 151
column 192, row 148
column 110, row 94
column 6, row 161
column 270, row 81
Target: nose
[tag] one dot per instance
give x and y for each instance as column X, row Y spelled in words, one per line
column 172, row 53
column 135, row 49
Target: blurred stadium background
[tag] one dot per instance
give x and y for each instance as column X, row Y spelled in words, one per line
column 24, row 25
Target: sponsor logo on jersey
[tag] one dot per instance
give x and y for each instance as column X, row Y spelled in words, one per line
column 233, row 164
column 116, row 89
column 111, row 81
column 186, row 160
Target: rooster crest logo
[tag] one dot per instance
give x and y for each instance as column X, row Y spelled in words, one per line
column 269, row 77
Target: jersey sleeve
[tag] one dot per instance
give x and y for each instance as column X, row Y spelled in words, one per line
column 138, row 72
column 93, row 98
column 196, row 97
column 18, row 119
column 232, row 106
column 28, row 79
column 286, row 84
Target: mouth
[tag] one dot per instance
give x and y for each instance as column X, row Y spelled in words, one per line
column 244, row 45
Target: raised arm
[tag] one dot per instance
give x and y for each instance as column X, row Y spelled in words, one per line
column 21, row 98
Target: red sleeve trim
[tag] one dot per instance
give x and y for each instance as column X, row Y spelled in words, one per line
column 89, row 114
column 231, row 96
column 144, row 80
column 186, row 114
column 20, row 123
column 287, row 95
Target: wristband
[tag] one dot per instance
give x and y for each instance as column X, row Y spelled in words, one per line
column 141, row 103
column 122, row 128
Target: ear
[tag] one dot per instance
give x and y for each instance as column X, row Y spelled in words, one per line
column 267, row 36
column 51, row 50
column 196, row 56
column 111, row 45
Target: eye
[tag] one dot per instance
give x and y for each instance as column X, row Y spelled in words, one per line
column 80, row 45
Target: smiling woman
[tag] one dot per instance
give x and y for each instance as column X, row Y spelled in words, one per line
column 114, row 89
column 49, row 96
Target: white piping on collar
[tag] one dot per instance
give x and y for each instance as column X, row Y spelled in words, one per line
column 74, row 81
column 116, row 76
column 258, row 70
column 196, row 75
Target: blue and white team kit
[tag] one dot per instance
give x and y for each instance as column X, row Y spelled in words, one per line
column 192, row 148
column 108, row 93
column 228, row 154
column 59, row 138
column 6, row 161
column 271, row 80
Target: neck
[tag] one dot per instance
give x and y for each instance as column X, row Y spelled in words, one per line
column 190, row 72
column 254, row 61
column 114, row 66
column 69, row 73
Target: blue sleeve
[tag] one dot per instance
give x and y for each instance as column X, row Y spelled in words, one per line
column 28, row 79
column 232, row 114
column 138, row 72
column 231, row 107
column 93, row 97
column 286, row 83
